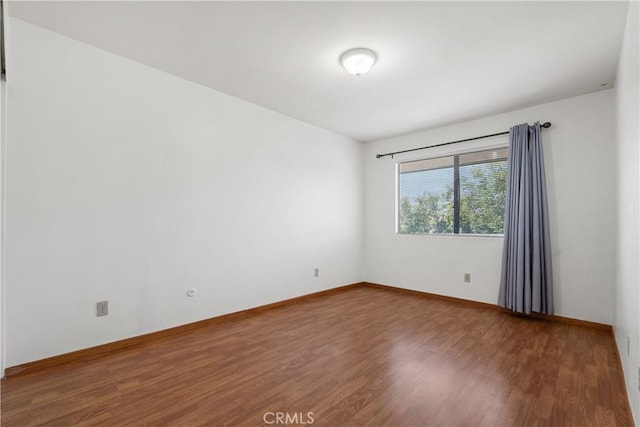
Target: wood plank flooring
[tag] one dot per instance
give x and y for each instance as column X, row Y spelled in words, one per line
column 364, row 356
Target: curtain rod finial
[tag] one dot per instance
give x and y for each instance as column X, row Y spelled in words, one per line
column 546, row 125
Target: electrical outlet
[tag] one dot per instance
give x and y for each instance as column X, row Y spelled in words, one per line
column 102, row 308
column 467, row 277
column 628, row 345
column 316, row 272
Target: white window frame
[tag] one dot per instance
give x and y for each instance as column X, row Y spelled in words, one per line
column 436, row 154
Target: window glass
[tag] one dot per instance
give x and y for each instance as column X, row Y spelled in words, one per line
column 458, row 194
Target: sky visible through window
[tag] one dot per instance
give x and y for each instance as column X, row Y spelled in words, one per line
column 416, row 184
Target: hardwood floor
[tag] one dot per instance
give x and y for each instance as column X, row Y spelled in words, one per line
column 364, row 356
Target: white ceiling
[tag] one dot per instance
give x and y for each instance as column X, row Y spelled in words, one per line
column 438, row 62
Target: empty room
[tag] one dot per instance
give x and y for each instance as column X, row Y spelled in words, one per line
column 332, row 213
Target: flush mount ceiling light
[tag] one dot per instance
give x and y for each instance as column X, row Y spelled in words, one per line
column 358, row 61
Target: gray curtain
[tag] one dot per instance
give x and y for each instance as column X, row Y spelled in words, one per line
column 526, row 284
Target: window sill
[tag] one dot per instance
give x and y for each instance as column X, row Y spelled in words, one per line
column 482, row 236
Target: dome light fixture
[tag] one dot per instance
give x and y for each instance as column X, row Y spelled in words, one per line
column 358, row 61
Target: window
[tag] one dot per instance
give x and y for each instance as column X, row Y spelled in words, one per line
column 458, row 194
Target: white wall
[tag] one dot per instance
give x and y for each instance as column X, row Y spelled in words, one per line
column 130, row 185
column 3, row 134
column 579, row 156
column 627, row 284
column 3, row 127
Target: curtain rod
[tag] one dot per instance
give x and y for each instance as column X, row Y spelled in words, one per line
column 544, row 125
